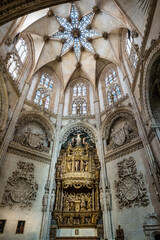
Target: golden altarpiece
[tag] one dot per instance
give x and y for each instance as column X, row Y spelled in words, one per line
column 77, row 202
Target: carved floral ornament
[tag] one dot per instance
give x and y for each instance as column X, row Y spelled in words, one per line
column 120, row 129
column 131, row 190
column 21, row 189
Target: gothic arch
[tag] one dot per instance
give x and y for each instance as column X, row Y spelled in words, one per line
column 121, row 112
column 151, row 57
column 3, row 102
column 101, row 83
column 64, row 133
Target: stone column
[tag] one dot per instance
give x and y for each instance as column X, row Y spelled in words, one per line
column 97, row 113
column 11, row 128
column 107, row 218
column 142, row 132
column 46, row 220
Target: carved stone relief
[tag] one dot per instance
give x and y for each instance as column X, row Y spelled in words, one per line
column 120, row 130
column 21, row 189
column 131, row 190
column 32, row 134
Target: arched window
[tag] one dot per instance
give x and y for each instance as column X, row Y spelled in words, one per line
column 45, row 87
column 46, row 81
column 22, row 49
column 131, row 49
column 114, row 93
column 13, row 65
column 42, row 97
column 79, row 106
column 79, row 89
column 110, row 77
column 113, row 90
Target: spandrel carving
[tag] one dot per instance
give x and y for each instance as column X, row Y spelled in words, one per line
column 21, row 189
column 131, row 190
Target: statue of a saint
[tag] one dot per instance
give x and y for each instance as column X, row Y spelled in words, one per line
column 78, row 139
column 77, row 166
column 85, row 166
column 83, row 202
column 89, row 202
column 69, row 166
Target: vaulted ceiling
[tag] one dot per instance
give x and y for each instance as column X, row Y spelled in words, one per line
column 111, row 18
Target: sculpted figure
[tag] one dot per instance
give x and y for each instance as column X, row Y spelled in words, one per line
column 78, row 139
column 85, row 166
column 77, row 166
column 83, row 202
column 45, row 201
column 89, row 207
column 69, row 166
column 119, row 233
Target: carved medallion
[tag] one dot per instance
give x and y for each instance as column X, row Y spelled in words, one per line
column 131, row 188
column 20, row 188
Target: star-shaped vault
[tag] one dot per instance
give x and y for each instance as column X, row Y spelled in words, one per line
column 75, row 33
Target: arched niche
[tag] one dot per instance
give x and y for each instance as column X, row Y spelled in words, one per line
column 119, row 129
column 34, row 130
column 149, row 82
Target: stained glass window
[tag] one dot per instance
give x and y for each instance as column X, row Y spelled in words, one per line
column 22, row 49
column 79, row 89
column 13, row 65
column 46, row 81
column 132, row 54
column 44, row 88
column 81, row 104
column 112, row 86
column 42, row 97
column 113, row 94
column 110, row 77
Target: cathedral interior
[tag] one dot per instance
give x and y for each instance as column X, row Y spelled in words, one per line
column 79, row 120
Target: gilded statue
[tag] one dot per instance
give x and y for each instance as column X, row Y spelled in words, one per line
column 83, row 202
column 89, row 204
column 85, row 166
column 77, row 165
column 69, row 166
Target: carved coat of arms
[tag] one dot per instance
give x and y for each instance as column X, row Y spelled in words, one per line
column 118, row 137
column 34, row 140
column 130, row 186
column 20, row 188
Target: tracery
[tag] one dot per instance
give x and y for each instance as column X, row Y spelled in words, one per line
column 42, row 96
column 113, row 90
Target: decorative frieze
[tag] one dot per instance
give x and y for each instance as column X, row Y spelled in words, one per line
column 131, row 190
column 21, row 189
